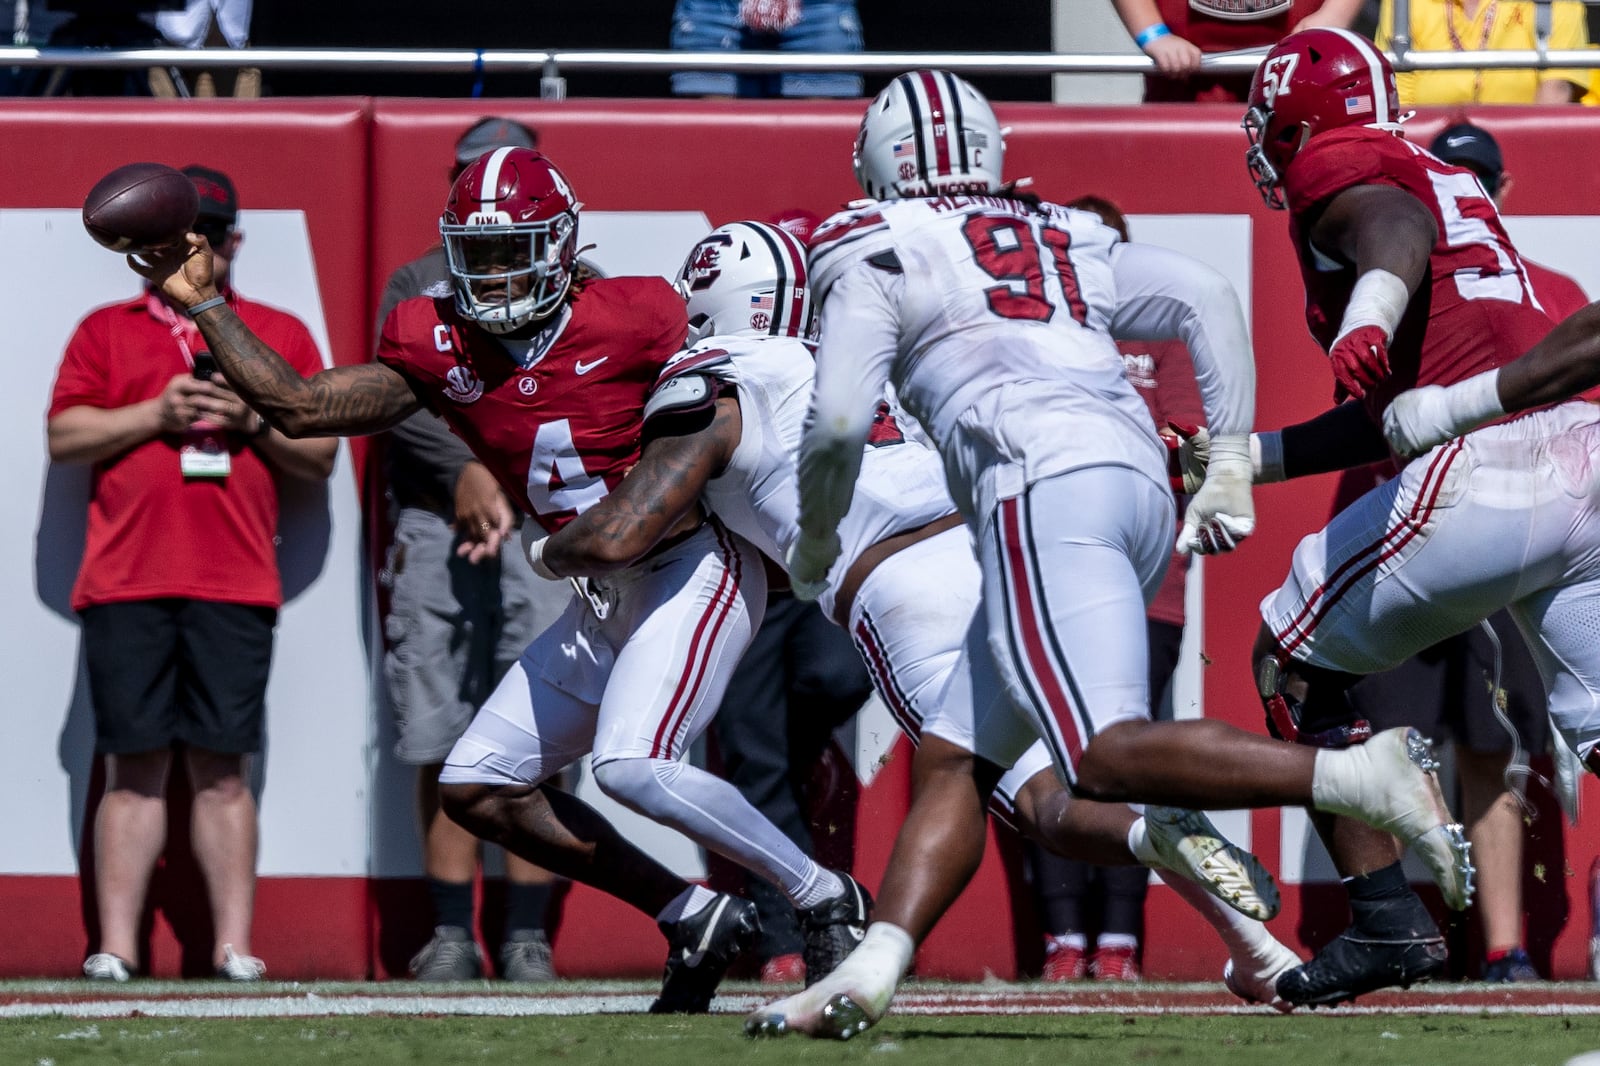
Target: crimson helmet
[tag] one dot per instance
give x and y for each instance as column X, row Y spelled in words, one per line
column 748, row 279
column 510, row 232
column 798, row 221
column 929, row 132
column 1312, row 81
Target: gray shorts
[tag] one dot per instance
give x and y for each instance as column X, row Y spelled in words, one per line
column 453, row 630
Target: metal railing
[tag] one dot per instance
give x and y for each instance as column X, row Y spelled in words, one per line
column 552, row 65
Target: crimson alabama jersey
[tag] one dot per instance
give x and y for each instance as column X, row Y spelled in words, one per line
column 555, row 419
column 1475, row 309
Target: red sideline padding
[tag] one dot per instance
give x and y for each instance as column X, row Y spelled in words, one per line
column 371, row 176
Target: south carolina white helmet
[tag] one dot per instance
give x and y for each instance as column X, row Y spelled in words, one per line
column 747, row 279
column 929, row 132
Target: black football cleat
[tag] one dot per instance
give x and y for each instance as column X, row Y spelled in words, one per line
column 1357, row 962
column 700, row 948
column 834, row 929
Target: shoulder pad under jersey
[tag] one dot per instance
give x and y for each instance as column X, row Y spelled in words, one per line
column 841, row 240
column 690, row 381
column 1355, row 155
column 708, row 357
column 681, row 394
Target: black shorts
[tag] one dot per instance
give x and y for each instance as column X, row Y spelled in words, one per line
column 1445, row 692
column 178, row 671
column 1166, row 640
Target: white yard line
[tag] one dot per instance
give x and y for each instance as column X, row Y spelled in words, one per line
column 920, row 1003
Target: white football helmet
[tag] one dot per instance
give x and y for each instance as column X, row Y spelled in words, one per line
column 929, row 132
column 748, row 279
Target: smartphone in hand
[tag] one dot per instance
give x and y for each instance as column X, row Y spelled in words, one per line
column 205, row 365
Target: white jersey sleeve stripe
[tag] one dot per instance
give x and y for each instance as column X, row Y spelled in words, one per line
column 841, row 241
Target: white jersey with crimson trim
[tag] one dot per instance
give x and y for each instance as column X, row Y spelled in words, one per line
column 989, row 316
column 901, row 486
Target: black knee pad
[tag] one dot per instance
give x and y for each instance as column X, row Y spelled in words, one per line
column 1324, row 720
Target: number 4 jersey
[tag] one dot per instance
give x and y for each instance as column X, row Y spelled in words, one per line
column 554, row 418
column 1475, row 309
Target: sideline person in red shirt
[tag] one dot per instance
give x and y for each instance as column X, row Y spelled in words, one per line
column 179, row 588
column 1177, row 34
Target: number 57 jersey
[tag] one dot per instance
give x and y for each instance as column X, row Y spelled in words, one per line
column 990, row 316
column 1475, row 309
column 555, row 417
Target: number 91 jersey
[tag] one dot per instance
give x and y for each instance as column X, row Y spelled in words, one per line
column 1480, row 312
column 556, row 419
column 986, row 260
column 998, row 317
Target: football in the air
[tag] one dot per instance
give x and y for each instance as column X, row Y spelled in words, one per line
column 140, row 206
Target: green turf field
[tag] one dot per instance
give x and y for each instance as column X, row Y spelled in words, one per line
column 1091, row 1040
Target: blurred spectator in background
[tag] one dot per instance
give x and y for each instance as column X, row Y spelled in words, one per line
column 1489, row 25
column 1176, row 34
column 206, row 24
column 1453, row 689
column 1078, row 899
column 766, row 25
column 1473, row 147
column 31, row 24
column 91, row 24
column 179, row 588
column 454, row 628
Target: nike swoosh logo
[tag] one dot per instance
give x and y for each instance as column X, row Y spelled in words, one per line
column 694, row 958
column 583, row 368
column 1457, row 142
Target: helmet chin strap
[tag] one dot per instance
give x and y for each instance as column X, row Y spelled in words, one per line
column 1305, row 137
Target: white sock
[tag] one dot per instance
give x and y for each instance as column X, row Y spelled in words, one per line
column 1244, row 937
column 1066, row 940
column 1336, row 779
column 885, row 953
column 1139, row 844
column 825, row 886
column 712, row 813
column 689, row 902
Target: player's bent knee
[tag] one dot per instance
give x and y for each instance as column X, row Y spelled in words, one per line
column 1109, row 770
column 471, row 806
column 1041, row 798
column 1306, row 704
column 633, row 782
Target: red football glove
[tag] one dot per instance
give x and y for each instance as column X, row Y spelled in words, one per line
column 1188, row 452
column 1360, row 359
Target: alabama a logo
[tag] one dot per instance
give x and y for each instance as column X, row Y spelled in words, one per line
column 462, row 385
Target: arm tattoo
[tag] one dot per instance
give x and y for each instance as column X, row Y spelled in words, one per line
column 344, row 401
column 665, row 485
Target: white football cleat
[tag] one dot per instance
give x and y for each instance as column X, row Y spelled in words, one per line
column 836, row 1007
column 848, row 1001
column 1191, row 846
column 1389, row 783
column 1255, row 979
